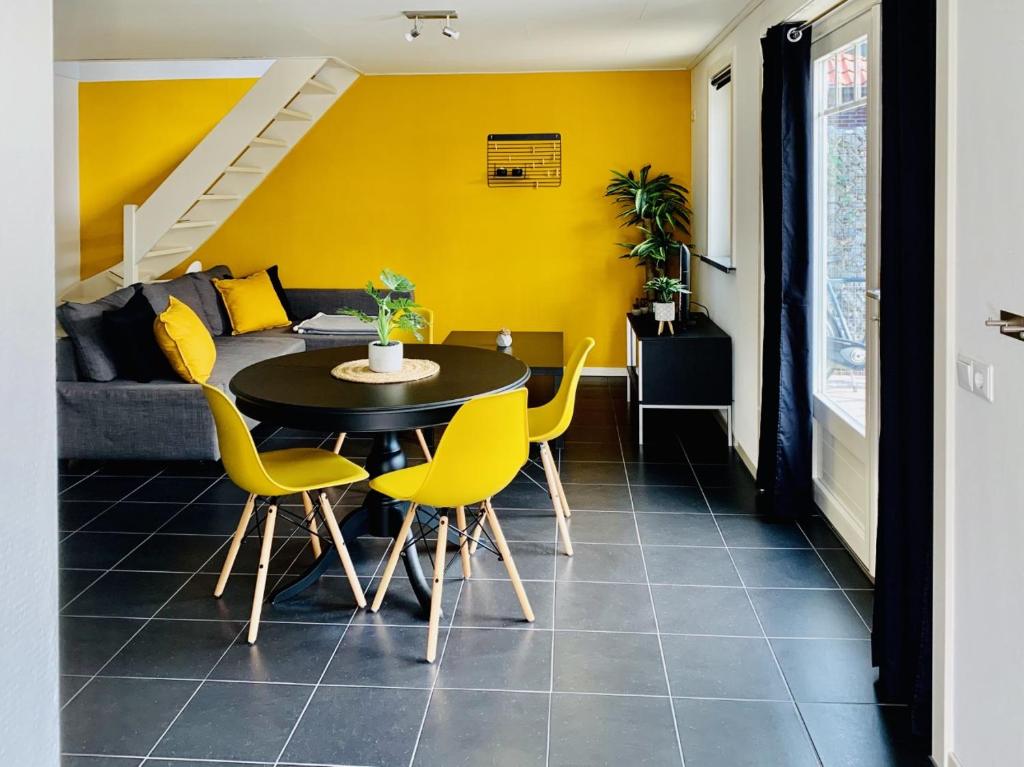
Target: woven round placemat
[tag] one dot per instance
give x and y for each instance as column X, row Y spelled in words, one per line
column 359, row 372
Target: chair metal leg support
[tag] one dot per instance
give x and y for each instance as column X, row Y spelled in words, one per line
column 314, row 539
column 396, row 553
column 261, row 573
column 343, row 555
column 437, row 590
column 556, row 500
column 510, row 565
column 236, row 542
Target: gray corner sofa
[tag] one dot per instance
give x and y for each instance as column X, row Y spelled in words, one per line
column 169, row 419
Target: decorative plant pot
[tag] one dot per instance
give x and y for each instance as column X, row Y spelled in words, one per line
column 386, row 359
column 504, row 339
column 664, row 312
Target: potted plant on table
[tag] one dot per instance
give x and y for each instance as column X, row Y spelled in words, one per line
column 393, row 313
column 665, row 290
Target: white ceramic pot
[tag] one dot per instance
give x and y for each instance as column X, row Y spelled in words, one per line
column 664, row 312
column 386, row 359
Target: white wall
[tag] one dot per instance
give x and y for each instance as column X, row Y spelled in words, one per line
column 735, row 298
column 985, row 579
column 28, row 461
column 65, row 176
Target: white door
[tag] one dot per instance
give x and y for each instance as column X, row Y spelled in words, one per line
column 845, row 58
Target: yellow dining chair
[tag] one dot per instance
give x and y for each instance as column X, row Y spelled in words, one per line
column 481, row 451
column 406, row 337
column 549, row 422
column 272, row 475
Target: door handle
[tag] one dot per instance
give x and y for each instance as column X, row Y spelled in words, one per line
column 874, row 295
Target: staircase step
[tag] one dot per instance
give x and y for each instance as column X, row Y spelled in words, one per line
column 263, row 141
column 214, row 197
column 321, row 86
column 296, row 114
column 172, row 251
column 193, row 224
column 243, row 169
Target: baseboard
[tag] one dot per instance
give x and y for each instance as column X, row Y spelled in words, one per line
column 605, row 372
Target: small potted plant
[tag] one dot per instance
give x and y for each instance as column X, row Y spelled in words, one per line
column 665, row 290
column 385, row 355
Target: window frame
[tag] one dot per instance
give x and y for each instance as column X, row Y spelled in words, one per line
column 724, row 258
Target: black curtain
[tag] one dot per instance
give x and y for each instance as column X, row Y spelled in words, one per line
column 902, row 635
column 784, row 451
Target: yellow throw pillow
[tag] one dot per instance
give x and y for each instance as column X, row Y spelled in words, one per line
column 252, row 303
column 185, row 341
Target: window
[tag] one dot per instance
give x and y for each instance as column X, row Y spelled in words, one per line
column 719, row 194
column 842, row 224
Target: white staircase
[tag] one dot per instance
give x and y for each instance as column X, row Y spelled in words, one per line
column 224, row 168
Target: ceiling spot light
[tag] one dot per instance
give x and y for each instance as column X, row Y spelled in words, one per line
column 447, row 31
column 413, row 33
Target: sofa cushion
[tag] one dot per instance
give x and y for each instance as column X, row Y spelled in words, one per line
column 237, row 352
column 185, row 341
column 282, row 295
column 129, row 333
column 84, row 325
column 252, row 303
column 195, row 291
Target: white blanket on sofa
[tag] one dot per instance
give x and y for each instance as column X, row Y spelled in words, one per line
column 334, row 324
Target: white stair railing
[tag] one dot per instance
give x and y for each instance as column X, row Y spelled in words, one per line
column 232, row 160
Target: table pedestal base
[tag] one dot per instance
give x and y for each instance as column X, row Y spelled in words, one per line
column 379, row 516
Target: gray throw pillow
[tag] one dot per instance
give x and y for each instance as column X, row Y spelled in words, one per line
column 84, row 325
column 197, row 292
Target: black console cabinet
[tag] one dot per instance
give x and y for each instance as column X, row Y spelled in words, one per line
column 689, row 370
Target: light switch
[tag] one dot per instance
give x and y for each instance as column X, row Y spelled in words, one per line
column 984, row 380
column 976, row 377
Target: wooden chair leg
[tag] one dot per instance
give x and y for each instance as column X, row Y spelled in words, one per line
column 338, row 443
column 236, row 542
column 551, row 473
column 339, row 544
column 261, row 573
column 423, row 445
column 438, row 589
column 561, row 490
column 477, row 532
column 314, row 539
column 510, row 565
column 460, row 520
column 396, row 552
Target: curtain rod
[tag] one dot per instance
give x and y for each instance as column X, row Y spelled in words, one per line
column 796, row 33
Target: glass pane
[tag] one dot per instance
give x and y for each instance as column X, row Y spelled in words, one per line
column 844, row 253
column 862, row 69
column 830, row 82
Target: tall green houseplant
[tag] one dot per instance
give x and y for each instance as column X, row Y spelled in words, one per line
column 658, row 207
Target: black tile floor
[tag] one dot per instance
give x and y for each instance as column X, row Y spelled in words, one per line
column 685, row 631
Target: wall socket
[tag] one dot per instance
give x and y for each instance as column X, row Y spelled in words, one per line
column 976, row 377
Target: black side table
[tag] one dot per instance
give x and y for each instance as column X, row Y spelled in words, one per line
column 691, row 370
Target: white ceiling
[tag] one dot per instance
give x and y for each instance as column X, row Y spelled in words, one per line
column 497, row 35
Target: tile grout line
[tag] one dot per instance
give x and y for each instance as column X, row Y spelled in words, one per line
column 650, row 593
column 757, row 617
column 245, row 625
column 437, row 674
column 834, row 578
column 177, row 591
column 330, row 660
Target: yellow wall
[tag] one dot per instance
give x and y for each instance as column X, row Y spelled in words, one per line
column 131, row 135
column 394, row 175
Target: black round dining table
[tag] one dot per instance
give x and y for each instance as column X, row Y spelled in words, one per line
column 298, row 391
